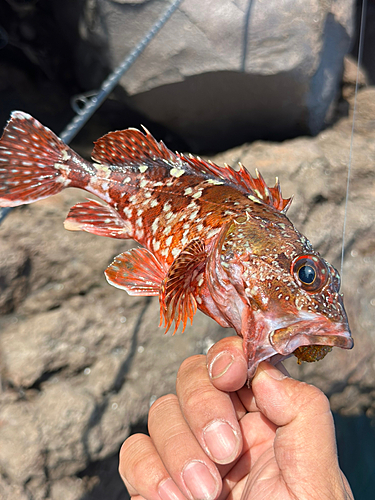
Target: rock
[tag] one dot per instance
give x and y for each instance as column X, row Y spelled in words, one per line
column 82, row 361
column 222, row 73
column 14, row 272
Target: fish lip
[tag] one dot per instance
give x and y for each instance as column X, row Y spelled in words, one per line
column 281, row 343
column 286, row 340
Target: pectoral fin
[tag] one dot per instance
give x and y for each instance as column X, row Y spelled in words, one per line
column 177, row 301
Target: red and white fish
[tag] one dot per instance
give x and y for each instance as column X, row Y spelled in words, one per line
column 212, row 238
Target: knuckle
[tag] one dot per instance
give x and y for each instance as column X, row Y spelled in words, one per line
column 313, row 397
column 131, row 449
column 197, row 397
column 189, row 365
column 137, row 454
column 161, row 406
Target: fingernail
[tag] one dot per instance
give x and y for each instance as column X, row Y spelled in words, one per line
column 199, row 481
column 168, row 490
column 220, row 364
column 271, row 371
column 221, row 441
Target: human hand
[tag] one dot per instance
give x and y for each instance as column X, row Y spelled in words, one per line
column 217, row 435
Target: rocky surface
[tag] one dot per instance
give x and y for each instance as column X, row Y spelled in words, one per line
column 81, row 362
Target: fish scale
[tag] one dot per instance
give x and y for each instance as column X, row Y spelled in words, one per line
column 212, row 237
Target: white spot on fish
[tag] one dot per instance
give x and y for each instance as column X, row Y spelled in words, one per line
column 143, row 183
column 139, row 234
column 200, row 279
column 184, row 241
column 176, row 172
column 175, row 252
column 254, row 199
column 188, row 191
column 215, row 182
column 212, row 232
column 142, row 168
column 198, row 194
column 165, row 252
column 128, row 212
column 168, row 241
column 155, row 225
column 65, row 155
column 154, row 203
column 156, row 244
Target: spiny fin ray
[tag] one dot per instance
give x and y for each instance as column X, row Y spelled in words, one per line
column 177, row 302
column 131, row 147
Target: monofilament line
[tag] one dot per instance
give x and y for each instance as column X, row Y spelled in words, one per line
column 359, row 60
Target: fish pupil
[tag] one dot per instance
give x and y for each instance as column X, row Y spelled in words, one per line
column 307, row 274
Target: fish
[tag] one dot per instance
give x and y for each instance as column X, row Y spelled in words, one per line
column 212, row 238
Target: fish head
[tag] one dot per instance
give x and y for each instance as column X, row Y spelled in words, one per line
column 279, row 294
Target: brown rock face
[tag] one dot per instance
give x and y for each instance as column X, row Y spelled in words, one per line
column 82, row 361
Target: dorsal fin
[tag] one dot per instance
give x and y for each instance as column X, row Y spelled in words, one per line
column 244, row 181
column 177, row 301
column 131, row 147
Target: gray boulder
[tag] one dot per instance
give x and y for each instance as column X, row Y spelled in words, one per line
column 222, row 73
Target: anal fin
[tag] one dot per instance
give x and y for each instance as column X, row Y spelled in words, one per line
column 177, row 301
column 137, row 271
column 94, row 217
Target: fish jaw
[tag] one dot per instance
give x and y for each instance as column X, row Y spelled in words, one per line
column 282, row 337
column 318, row 331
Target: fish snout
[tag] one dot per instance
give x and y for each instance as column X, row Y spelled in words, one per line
column 311, row 333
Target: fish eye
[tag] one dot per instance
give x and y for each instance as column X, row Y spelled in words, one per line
column 307, row 274
column 310, row 272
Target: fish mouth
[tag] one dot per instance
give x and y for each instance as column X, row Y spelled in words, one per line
column 286, row 340
column 281, row 343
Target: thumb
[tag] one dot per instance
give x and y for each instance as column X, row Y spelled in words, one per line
column 305, row 444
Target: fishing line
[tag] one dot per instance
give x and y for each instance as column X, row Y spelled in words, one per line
column 359, row 60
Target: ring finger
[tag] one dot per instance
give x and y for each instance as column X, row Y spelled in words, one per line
column 188, row 465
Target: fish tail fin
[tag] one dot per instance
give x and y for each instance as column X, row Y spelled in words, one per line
column 34, row 162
